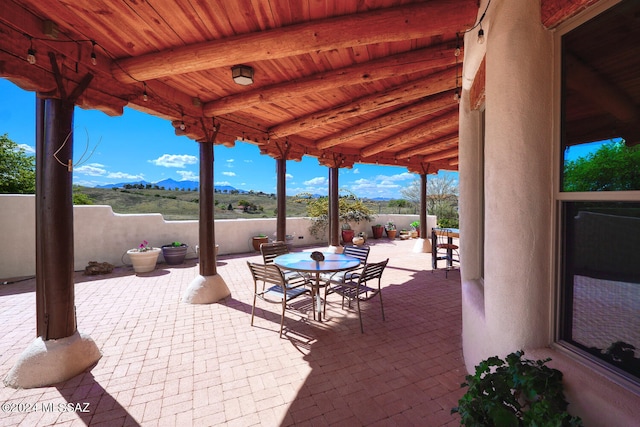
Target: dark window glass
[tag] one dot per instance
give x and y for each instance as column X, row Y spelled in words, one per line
column 601, row 281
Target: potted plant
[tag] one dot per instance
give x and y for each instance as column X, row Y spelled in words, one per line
column 390, row 228
column 347, row 233
column 415, row 228
column 404, row 234
column 258, row 240
column 514, row 392
column 144, row 257
column 174, row 253
column 377, row 230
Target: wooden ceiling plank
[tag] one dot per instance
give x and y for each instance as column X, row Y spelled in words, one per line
column 408, row 62
column 425, row 86
column 427, row 106
column 437, row 144
column 446, row 121
column 421, row 20
column 452, row 152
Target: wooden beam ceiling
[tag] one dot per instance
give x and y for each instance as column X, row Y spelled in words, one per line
column 435, row 57
column 397, row 24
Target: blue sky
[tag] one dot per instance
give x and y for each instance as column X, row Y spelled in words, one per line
column 137, row 146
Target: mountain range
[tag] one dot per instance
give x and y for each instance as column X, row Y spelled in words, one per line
column 172, row 184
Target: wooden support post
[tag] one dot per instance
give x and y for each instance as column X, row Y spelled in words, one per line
column 334, row 203
column 206, row 230
column 208, row 287
column 54, row 217
column 423, row 206
column 281, row 219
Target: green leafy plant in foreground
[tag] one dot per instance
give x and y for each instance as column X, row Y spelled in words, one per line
column 514, row 392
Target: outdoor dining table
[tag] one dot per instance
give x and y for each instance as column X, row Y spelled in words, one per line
column 450, row 233
column 302, row 262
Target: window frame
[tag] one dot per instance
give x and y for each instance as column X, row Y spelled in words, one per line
column 561, row 198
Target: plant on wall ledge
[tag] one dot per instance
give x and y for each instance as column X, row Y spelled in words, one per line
column 514, row 392
column 350, row 210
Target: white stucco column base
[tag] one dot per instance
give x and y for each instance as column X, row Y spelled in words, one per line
column 422, row 246
column 45, row 363
column 206, row 290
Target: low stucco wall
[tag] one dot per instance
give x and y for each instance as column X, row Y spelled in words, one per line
column 104, row 236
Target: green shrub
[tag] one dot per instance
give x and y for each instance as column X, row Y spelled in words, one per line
column 514, row 392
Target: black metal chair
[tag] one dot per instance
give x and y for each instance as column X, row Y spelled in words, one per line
column 363, row 288
column 278, row 293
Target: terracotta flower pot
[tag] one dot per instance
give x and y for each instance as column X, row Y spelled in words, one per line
column 257, row 241
column 392, row 234
column 144, row 262
column 347, row 236
column 377, row 231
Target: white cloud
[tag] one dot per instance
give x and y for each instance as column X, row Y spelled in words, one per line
column 175, row 160
column 230, row 163
column 122, row 175
column 397, row 177
column 288, row 176
column 92, row 169
column 188, row 176
column 229, row 173
column 320, row 180
column 356, row 171
column 222, row 183
column 27, row 148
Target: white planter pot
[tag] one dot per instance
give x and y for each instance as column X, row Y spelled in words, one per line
column 144, row 262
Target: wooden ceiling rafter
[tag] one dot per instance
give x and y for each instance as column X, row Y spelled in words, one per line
column 427, row 147
column 446, row 121
column 428, row 105
column 435, row 83
column 433, row 57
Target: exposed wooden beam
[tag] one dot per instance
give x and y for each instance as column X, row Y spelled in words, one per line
column 421, row 20
column 554, row 12
column 438, row 56
column 422, row 108
column 446, row 121
column 441, row 143
column 440, row 155
column 426, row 86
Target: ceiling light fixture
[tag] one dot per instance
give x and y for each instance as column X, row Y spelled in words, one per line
column 242, row 74
column 145, row 97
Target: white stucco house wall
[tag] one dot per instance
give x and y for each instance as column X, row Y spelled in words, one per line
column 509, row 167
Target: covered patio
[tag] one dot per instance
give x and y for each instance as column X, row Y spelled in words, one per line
column 168, row 363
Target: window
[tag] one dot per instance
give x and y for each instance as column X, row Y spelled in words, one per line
column 598, row 193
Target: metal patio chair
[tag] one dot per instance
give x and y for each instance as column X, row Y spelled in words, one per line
column 363, row 288
column 274, row 288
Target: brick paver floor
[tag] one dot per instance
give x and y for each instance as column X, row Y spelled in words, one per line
column 173, row 364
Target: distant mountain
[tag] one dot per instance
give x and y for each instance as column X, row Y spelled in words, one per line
column 172, row 184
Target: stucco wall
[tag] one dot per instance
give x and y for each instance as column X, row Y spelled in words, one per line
column 101, row 235
column 517, row 176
